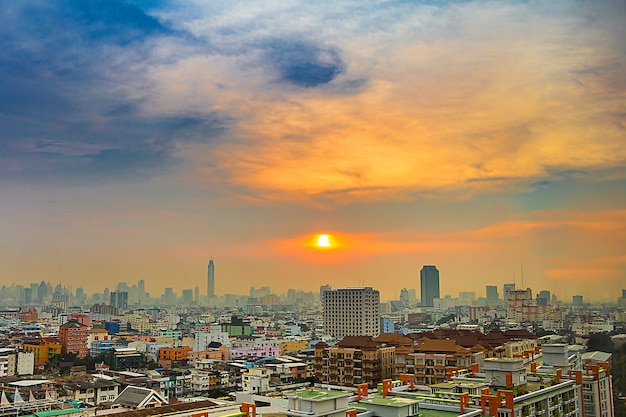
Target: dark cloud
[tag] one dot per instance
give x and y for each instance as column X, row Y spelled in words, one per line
column 73, row 88
column 302, row 63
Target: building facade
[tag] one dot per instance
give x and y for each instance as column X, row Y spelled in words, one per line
column 74, row 338
column 351, row 312
column 353, row 361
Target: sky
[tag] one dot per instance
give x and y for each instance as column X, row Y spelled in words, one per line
column 139, row 139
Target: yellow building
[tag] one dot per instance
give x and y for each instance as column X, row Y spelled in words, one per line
column 292, row 346
column 44, row 349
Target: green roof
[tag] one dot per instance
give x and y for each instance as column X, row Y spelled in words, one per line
column 318, row 394
column 391, row 401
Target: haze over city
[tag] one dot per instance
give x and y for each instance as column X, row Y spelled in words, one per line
column 140, row 139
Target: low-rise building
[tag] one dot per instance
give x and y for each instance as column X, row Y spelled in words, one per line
column 92, row 392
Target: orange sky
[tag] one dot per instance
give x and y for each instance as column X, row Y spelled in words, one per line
column 477, row 136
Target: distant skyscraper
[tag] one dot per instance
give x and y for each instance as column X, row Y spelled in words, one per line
column 543, row 298
column 577, row 300
column 492, row 294
column 187, row 296
column 210, row 282
column 404, row 297
column 119, row 299
column 351, row 312
column 322, row 289
column 505, row 291
column 429, row 285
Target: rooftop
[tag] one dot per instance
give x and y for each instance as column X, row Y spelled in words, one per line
column 390, row 401
column 318, row 394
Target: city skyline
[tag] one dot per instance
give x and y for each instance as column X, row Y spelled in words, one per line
column 123, row 295
column 341, row 143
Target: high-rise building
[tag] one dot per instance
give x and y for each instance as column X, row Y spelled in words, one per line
column 429, row 285
column 73, row 338
column 505, row 291
column 543, row 298
column 210, row 281
column 168, row 297
column 577, row 300
column 187, row 296
column 404, row 297
column 492, row 294
column 119, row 299
column 351, row 312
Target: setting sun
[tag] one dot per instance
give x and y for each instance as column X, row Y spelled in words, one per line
column 323, row 241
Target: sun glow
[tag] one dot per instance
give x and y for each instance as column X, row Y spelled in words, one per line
column 323, row 241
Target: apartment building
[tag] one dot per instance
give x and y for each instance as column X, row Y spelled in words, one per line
column 74, row 338
column 353, row 361
column 429, row 359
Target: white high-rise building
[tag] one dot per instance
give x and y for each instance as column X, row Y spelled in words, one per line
column 351, row 312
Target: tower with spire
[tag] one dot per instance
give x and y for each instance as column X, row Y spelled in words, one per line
column 210, row 282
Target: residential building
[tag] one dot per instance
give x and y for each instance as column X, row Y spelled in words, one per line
column 8, row 362
column 204, row 339
column 44, row 349
column 521, row 306
column 74, row 337
column 179, row 354
column 255, row 380
column 318, row 403
column 353, row 361
column 430, row 358
column 95, row 393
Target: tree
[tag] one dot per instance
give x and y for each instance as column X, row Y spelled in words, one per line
column 601, row 342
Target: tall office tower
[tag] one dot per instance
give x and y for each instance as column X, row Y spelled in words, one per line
column 492, row 294
column 187, row 296
column 168, row 297
column 404, row 297
column 42, row 292
column 351, row 312
column 210, row 281
column 119, row 299
column 577, row 300
column 543, row 298
column 429, row 285
column 505, row 291
column 196, row 294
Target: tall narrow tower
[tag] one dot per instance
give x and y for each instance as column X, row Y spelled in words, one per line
column 210, row 282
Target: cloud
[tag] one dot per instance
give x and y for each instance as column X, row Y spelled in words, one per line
column 74, row 89
column 455, row 98
column 303, row 64
column 323, row 103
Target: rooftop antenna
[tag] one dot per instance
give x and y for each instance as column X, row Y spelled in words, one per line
column 522, row 268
